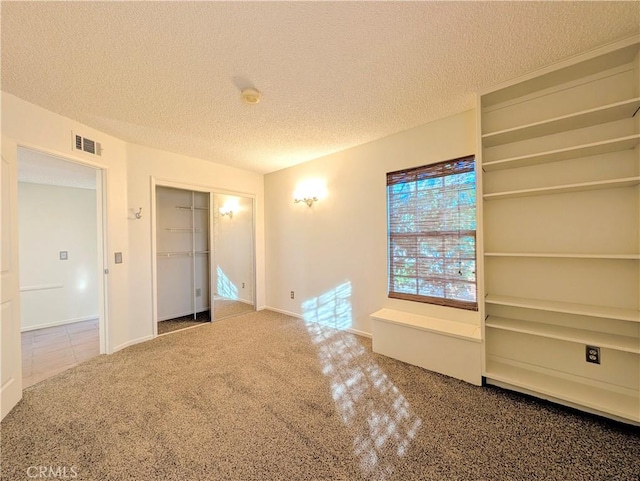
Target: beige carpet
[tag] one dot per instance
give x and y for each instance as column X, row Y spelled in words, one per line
column 223, row 308
column 171, row 325
column 267, row 397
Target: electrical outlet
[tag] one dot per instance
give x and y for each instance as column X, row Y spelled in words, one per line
column 593, row 354
column 243, row 285
column 64, row 255
column 293, row 295
column 198, row 292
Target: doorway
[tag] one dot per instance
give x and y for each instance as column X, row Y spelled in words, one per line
column 60, row 240
column 182, row 258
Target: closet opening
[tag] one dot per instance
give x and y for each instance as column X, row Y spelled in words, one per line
column 183, row 258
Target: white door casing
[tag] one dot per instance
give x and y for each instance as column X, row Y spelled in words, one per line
column 10, row 345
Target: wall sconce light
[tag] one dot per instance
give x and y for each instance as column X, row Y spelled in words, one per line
column 226, row 210
column 309, row 191
column 307, row 200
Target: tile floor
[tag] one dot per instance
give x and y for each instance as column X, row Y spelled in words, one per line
column 49, row 351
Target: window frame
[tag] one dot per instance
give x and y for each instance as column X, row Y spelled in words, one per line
column 412, row 175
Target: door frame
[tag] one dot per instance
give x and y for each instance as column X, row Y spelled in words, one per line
column 160, row 182
column 102, row 175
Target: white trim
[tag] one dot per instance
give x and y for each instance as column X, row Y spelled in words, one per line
column 567, row 62
column 360, row 333
column 60, row 323
column 299, row 316
column 101, row 168
column 282, row 311
column 131, row 343
column 188, row 313
column 41, row 287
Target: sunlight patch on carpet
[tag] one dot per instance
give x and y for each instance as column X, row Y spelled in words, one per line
column 382, row 423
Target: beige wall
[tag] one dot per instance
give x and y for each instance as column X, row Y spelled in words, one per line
column 53, row 219
column 128, row 170
column 145, row 163
column 39, row 129
column 334, row 254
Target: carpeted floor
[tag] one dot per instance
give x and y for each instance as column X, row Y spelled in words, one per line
column 268, row 397
column 224, row 308
column 171, row 325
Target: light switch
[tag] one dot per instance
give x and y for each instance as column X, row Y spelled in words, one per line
column 118, row 257
column 64, row 255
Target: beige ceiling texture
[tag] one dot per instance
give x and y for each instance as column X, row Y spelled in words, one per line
column 333, row 75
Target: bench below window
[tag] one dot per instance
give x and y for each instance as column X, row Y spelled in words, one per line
column 448, row 347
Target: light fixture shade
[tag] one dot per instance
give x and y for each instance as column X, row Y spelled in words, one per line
column 250, row 96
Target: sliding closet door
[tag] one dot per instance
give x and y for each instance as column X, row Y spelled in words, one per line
column 233, row 259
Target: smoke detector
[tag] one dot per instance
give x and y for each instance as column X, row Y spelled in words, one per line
column 250, row 96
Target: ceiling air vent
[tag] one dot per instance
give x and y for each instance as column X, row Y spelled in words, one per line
column 87, row 145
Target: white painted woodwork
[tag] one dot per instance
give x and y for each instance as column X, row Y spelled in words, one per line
column 561, row 231
column 10, row 352
column 448, row 347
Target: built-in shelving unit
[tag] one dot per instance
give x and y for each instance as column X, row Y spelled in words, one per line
column 182, row 243
column 561, row 225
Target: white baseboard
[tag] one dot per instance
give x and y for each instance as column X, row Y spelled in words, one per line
column 360, row 333
column 299, row 316
column 59, row 323
column 175, row 316
column 131, row 343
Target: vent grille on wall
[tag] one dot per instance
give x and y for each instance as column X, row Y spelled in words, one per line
column 87, row 145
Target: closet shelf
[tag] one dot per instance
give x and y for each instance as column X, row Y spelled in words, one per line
column 564, row 256
column 182, row 229
column 181, row 254
column 566, row 188
column 584, row 150
column 578, row 120
column 549, row 384
column 604, row 312
column 552, row 331
column 190, row 207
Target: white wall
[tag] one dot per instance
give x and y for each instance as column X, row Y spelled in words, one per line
column 53, row 219
column 145, row 163
column 128, row 171
column 334, row 254
column 34, row 127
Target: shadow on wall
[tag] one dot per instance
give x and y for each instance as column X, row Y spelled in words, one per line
column 383, row 423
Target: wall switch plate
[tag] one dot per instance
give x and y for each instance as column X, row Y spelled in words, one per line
column 593, row 354
column 198, row 292
column 243, row 285
column 64, row 255
column 293, row 295
column 118, row 256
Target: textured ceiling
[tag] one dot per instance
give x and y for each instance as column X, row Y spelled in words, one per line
column 37, row 168
column 333, row 75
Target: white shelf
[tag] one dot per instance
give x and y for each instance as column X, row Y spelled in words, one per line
column 603, row 312
column 190, row 207
column 550, row 255
column 578, row 120
column 626, row 406
column 182, row 229
column 566, row 188
column 585, row 150
column 581, row 336
column 461, row 330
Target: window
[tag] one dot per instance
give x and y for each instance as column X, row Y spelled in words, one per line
column 432, row 233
